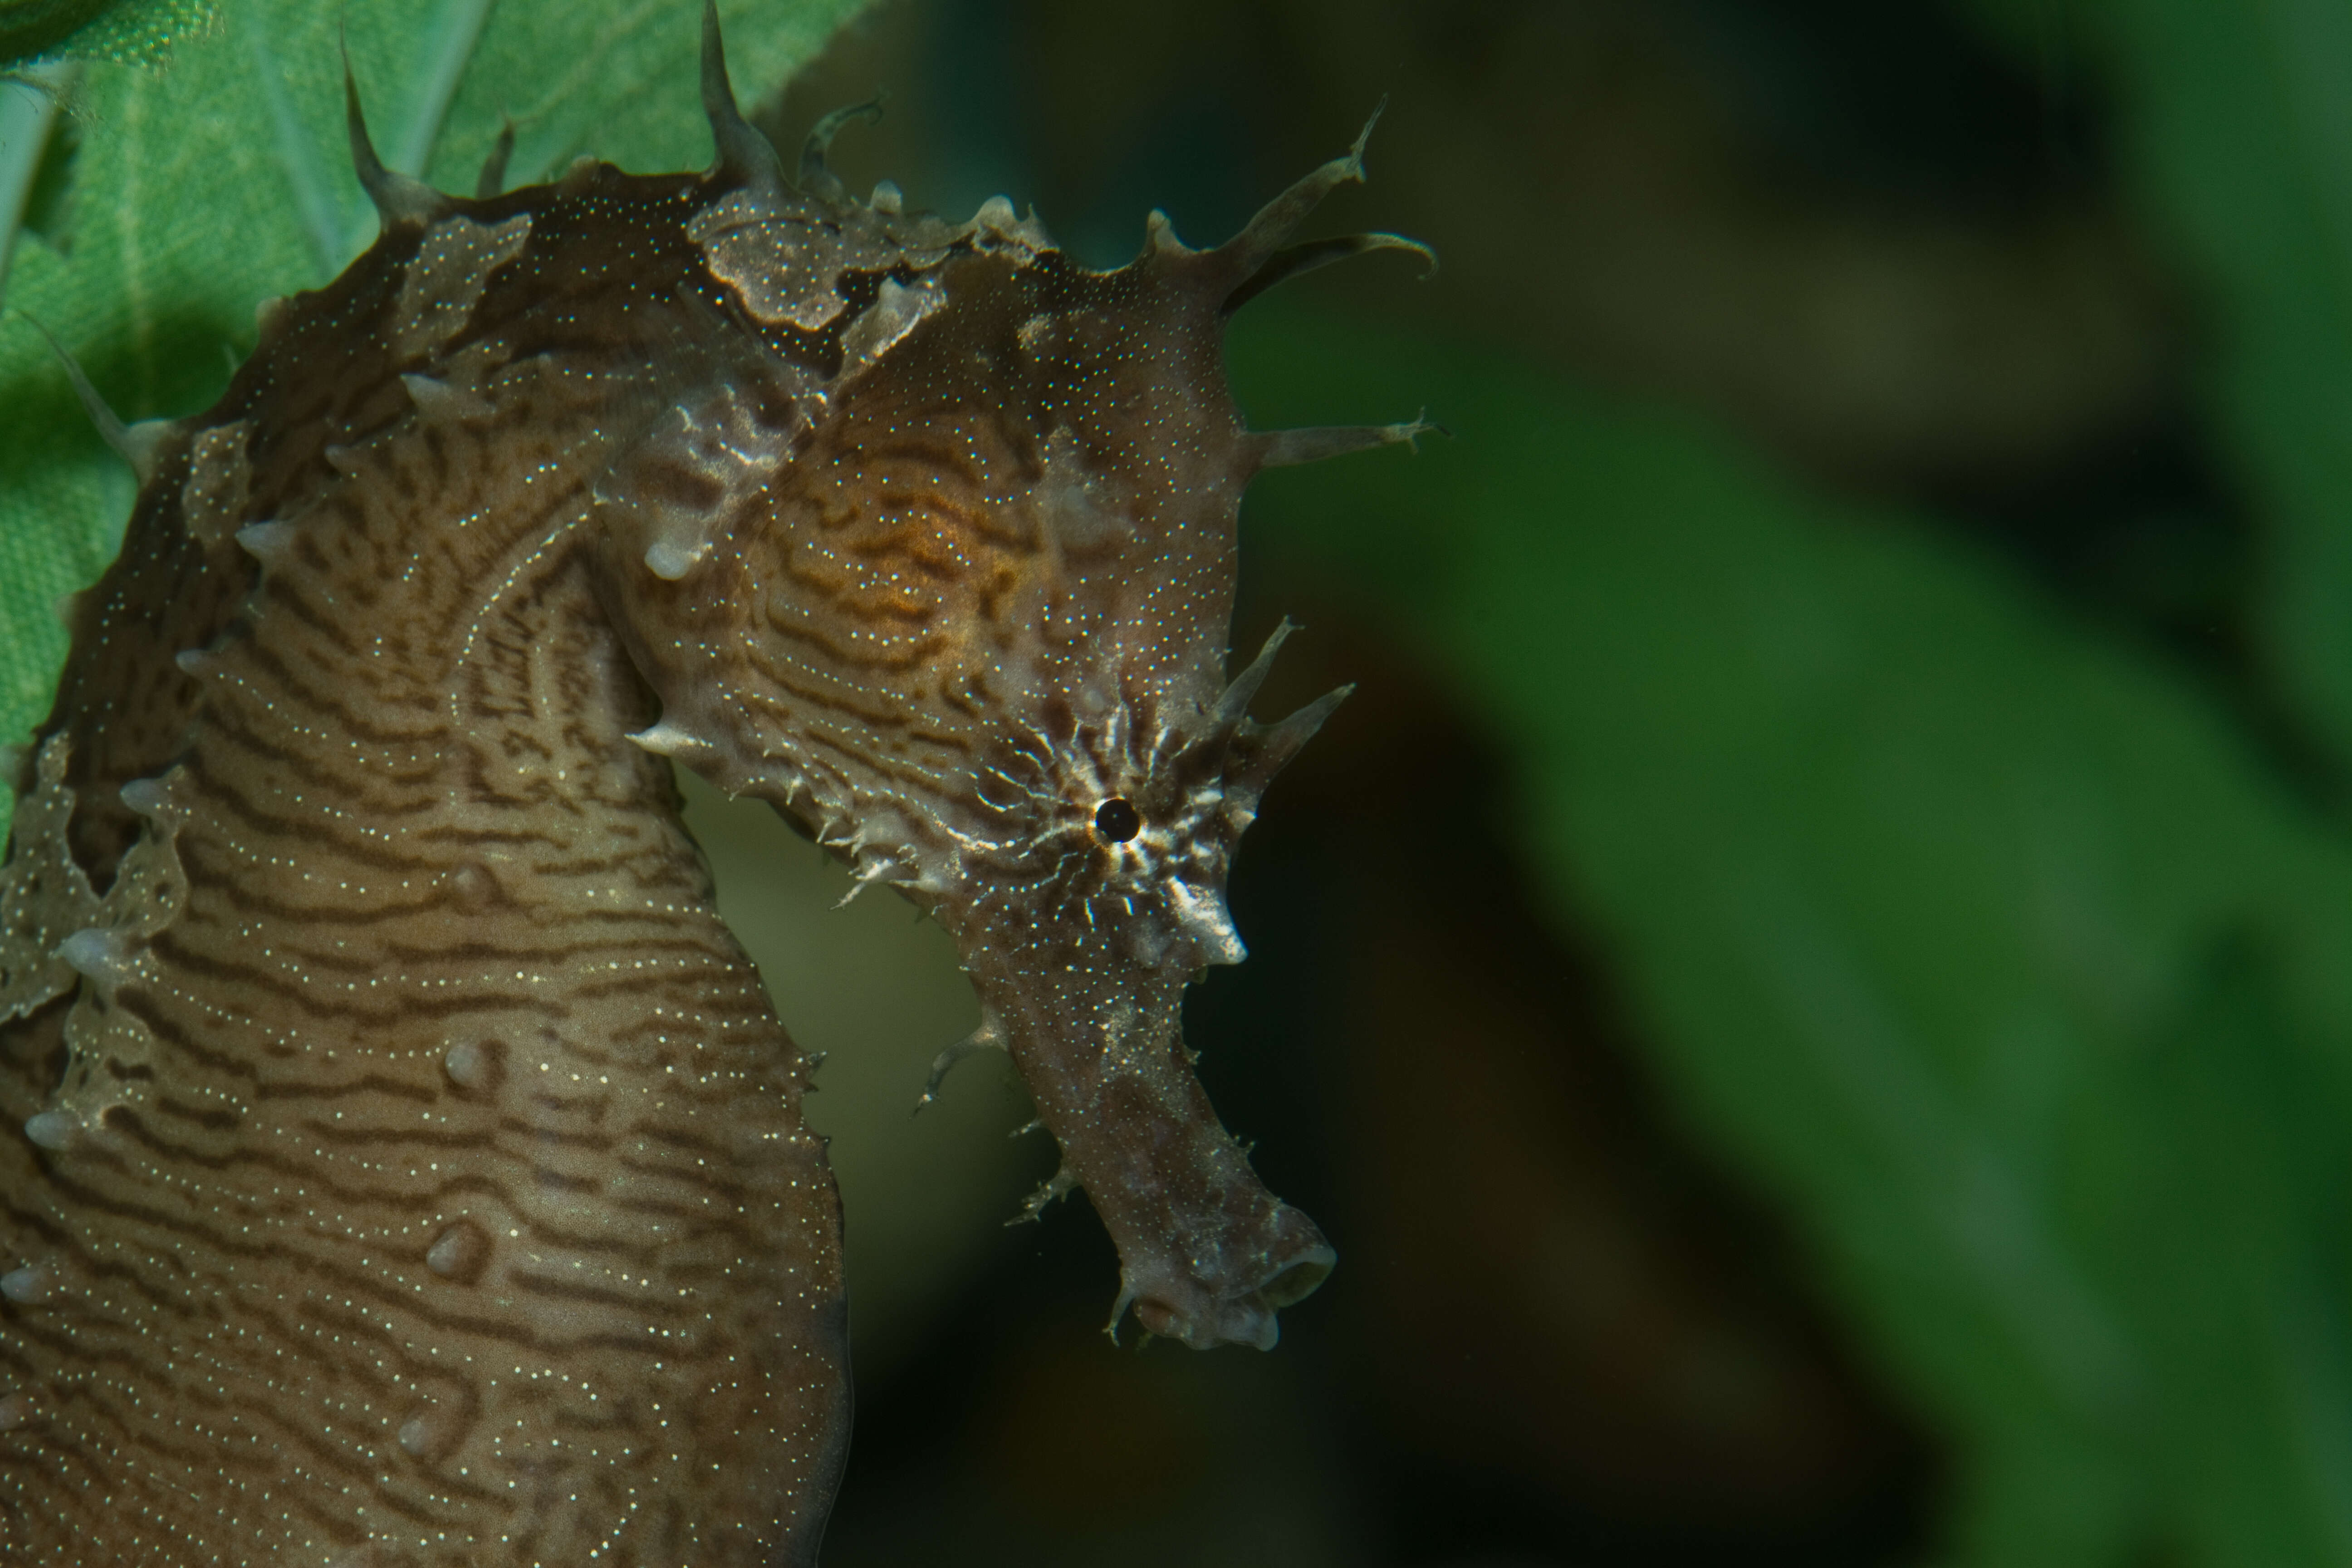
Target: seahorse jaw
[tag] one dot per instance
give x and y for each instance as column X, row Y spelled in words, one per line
column 1288, row 1266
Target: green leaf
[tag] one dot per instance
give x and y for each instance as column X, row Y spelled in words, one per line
column 2234, row 123
column 133, row 31
column 1981, row 939
column 222, row 180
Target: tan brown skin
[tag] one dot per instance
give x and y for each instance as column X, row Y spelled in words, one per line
column 404, row 1166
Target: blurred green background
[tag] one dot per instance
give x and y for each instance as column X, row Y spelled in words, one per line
column 1812, row 984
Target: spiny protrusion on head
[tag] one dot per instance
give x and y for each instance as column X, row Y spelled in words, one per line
column 1314, row 443
column 1265, row 234
column 988, row 1037
column 745, row 157
column 397, row 198
column 1232, row 703
column 1256, row 753
column 492, row 180
column 1296, row 260
column 1272, row 746
column 136, row 445
column 1259, row 258
column 816, row 177
column 1160, row 236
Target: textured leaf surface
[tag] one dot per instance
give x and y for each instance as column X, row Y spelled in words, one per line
column 222, row 179
column 1983, row 941
column 141, row 31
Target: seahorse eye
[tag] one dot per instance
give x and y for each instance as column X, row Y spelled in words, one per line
column 1117, row 820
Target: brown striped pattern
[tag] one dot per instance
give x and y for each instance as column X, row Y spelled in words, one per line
column 427, row 1186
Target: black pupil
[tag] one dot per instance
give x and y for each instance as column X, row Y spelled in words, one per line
column 1118, row 821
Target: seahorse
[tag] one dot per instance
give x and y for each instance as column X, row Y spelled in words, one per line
column 402, row 1162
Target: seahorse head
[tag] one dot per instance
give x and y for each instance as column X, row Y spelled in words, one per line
column 935, row 547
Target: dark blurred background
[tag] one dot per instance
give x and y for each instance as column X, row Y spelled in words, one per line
column 1807, row 983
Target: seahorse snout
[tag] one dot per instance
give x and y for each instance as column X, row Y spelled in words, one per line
column 1233, row 1302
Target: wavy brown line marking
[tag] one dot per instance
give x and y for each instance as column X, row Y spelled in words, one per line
column 25, row 1325
column 271, row 683
column 592, row 1143
column 681, row 983
column 372, row 1084
column 263, row 826
column 211, row 1120
column 504, row 838
column 284, row 955
column 166, row 1029
column 124, row 1427
column 217, row 890
column 568, row 954
column 411, row 1008
column 227, row 724
column 473, row 1329
column 689, row 1176
column 349, row 1136
column 288, row 1431
column 519, row 1210
column 837, row 651
column 549, row 1288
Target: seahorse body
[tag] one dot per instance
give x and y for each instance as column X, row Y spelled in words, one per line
column 405, row 1165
